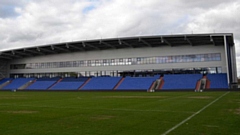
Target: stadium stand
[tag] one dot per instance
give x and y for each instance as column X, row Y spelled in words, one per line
column 137, row 83
column 217, row 81
column 101, row 83
column 4, row 80
column 69, row 83
column 180, row 81
column 171, row 82
column 43, row 83
column 16, row 83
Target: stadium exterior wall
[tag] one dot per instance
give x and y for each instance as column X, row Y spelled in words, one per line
column 4, row 68
column 126, row 53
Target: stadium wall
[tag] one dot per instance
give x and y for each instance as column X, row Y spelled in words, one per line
column 126, row 53
column 4, row 69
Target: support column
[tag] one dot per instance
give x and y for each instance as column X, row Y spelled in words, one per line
column 226, row 57
column 234, row 67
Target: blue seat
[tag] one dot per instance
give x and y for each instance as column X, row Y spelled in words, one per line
column 43, row 83
column 16, row 83
column 137, row 83
column 218, row 81
column 101, row 83
column 180, row 81
column 67, row 85
column 5, row 80
column 40, row 85
column 48, row 79
column 74, row 79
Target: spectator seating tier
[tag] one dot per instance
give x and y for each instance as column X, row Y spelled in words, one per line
column 218, row 81
column 69, row 83
column 4, row 80
column 18, row 82
column 43, row 83
column 101, row 83
column 137, row 83
column 180, row 81
column 74, row 79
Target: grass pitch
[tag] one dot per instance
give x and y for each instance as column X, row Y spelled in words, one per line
column 119, row 113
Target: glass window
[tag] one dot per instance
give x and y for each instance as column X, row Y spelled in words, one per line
column 123, row 61
column 97, row 63
column 219, row 69
column 138, row 59
column 89, row 63
column 212, row 70
column 105, row 62
column 218, row 56
column 74, row 64
column 113, row 62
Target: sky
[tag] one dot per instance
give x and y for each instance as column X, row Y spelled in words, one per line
column 38, row 22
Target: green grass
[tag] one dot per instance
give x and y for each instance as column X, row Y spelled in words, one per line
column 118, row 113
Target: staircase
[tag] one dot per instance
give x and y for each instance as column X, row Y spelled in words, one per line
column 5, row 84
column 119, row 83
column 156, row 85
column 84, row 84
column 55, row 83
column 27, row 84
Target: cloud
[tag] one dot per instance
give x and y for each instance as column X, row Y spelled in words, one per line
column 41, row 25
column 34, row 22
column 201, row 4
column 7, row 11
column 7, row 8
column 222, row 19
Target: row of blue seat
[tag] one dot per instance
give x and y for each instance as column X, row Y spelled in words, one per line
column 136, row 83
column 181, row 81
column 176, row 81
column 69, row 83
column 67, row 86
column 218, row 81
column 74, row 79
column 102, row 83
column 41, row 85
column 5, row 80
column 16, row 83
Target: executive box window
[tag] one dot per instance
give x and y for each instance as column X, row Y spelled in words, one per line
column 97, row 63
column 122, row 61
column 18, row 66
column 89, row 63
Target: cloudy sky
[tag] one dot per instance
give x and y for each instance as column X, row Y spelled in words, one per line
column 39, row 22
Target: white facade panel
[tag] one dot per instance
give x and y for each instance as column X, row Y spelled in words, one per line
column 126, row 53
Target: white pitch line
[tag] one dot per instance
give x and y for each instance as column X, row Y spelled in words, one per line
column 182, row 122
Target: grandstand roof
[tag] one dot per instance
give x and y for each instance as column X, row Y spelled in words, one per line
column 216, row 39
